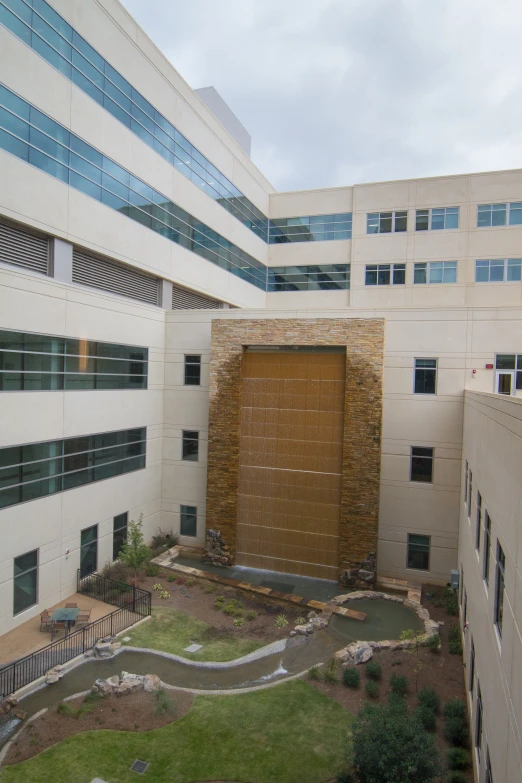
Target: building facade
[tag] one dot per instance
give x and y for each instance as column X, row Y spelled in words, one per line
column 378, row 349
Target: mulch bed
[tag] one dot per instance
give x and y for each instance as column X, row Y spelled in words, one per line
column 133, row 712
column 195, row 602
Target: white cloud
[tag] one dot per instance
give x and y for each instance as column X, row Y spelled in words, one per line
column 342, row 91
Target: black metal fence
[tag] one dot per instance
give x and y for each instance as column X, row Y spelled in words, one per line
column 108, row 590
column 19, row 673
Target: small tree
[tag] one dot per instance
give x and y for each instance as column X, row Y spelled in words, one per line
column 391, row 746
column 415, row 637
column 134, row 553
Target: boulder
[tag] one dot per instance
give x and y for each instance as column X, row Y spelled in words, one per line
column 114, row 680
column 129, row 686
column 20, row 714
column 339, row 600
column 54, row 674
column 128, row 677
column 363, row 654
column 103, row 687
column 423, row 614
column 151, row 683
column 11, row 700
column 103, row 650
column 4, row 708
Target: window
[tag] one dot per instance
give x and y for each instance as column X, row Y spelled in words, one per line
column 40, row 362
column 188, row 521
column 84, row 168
column 466, row 482
column 435, row 272
column 465, row 609
column 470, row 487
column 461, row 584
column 192, row 370
column 317, row 228
column 425, row 376
column 498, row 270
column 418, row 552
column 190, row 446
column 471, row 681
column 119, row 535
column 478, row 723
column 478, row 522
column 25, row 581
column 327, row 277
column 385, row 274
column 89, row 551
column 499, row 214
column 499, row 594
column 489, row 771
column 512, row 363
column 35, row 470
column 437, row 219
column 487, row 547
column 386, row 222
column 421, row 468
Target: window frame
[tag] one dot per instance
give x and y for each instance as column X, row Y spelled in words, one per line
column 497, row 263
column 478, row 523
column 500, row 588
column 30, row 570
column 470, row 490
column 471, row 680
column 187, row 364
column 508, row 208
column 393, row 216
column 431, row 459
column 86, row 546
column 431, row 212
column 394, row 271
column 432, row 370
column 487, row 548
column 409, row 553
column 183, row 509
column 185, row 442
column 429, row 266
column 479, row 720
column 116, row 552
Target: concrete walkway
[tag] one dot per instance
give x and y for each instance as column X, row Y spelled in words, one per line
column 28, row 638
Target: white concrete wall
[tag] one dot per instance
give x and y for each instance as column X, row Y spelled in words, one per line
column 492, row 446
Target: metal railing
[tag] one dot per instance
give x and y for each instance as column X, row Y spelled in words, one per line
column 25, row 670
column 108, row 590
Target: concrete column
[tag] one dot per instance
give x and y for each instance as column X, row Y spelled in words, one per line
column 165, row 294
column 62, row 260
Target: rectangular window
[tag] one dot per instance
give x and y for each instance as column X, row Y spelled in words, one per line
column 35, row 470
column 190, row 446
column 40, row 362
column 466, row 481
column 471, row 681
column 327, row 277
column 478, row 723
column 478, row 522
column 489, row 771
column 192, row 370
column 465, row 608
column 418, row 552
column 188, row 521
column 499, row 593
column 437, row 219
column 510, row 361
column 89, row 551
column 314, row 228
column 470, row 489
column 499, row 214
column 421, row 468
column 498, row 270
column 487, row 547
column 25, row 591
column 386, row 222
column 385, row 274
column 119, row 535
column 435, row 272
column 425, row 376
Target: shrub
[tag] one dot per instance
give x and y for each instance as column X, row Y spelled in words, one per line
column 426, row 717
column 330, row 676
column 399, row 684
column 220, row 600
column 190, row 581
column 351, row 677
column 240, row 612
column 373, row 670
column 209, row 588
column 163, row 703
column 457, row 777
column 456, row 730
column 455, row 708
column 345, row 777
column 165, row 594
column 281, row 621
column 157, row 587
column 433, row 643
column 458, row 758
column 451, row 601
column 454, row 639
column 65, row 709
column 300, row 620
column 117, row 571
column 151, row 569
column 171, row 578
column 238, row 622
column 314, row 673
column 397, row 662
column 251, row 615
column 180, row 580
column 372, row 689
column 164, row 540
column 428, row 697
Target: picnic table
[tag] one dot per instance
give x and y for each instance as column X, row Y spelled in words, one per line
column 64, row 615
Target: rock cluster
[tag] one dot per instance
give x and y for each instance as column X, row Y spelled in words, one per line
column 54, row 674
column 364, row 573
column 315, row 623
column 9, row 706
column 216, row 550
column 127, row 683
column 104, row 648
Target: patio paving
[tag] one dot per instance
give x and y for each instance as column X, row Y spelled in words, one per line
column 27, row 637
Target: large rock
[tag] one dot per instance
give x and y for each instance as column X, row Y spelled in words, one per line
column 151, row 683
column 103, row 650
column 54, row 674
column 103, row 687
column 129, row 686
column 357, row 652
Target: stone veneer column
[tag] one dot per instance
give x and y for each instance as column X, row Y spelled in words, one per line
column 364, row 341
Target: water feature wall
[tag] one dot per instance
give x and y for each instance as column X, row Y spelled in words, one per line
column 290, row 461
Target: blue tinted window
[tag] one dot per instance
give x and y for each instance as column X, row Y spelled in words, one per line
column 53, row 18
column 51, row 36
column 87, row 86
column 20, row 9
column 14, row 146
column 15, row 25
column 14, row 125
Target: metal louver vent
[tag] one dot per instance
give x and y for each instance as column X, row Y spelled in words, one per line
column 23, row 248
column 189, row 300
column 113, row 277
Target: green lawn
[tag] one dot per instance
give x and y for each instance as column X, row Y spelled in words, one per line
column 171, row 631
column 291, row 733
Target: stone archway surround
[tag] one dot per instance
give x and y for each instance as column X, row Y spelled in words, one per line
column 364, row 341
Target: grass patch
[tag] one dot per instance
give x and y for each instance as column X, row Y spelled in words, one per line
column 279, row 735
column 171, row 631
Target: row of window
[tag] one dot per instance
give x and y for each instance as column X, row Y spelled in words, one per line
column 496, row 270
column 508, row 214
column 327, row 277
column 35, row 138
column 479, row 716
column 34, row 362
column 317, row 228
column 35, row 470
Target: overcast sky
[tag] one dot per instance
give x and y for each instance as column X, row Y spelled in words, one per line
column 335, row 92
